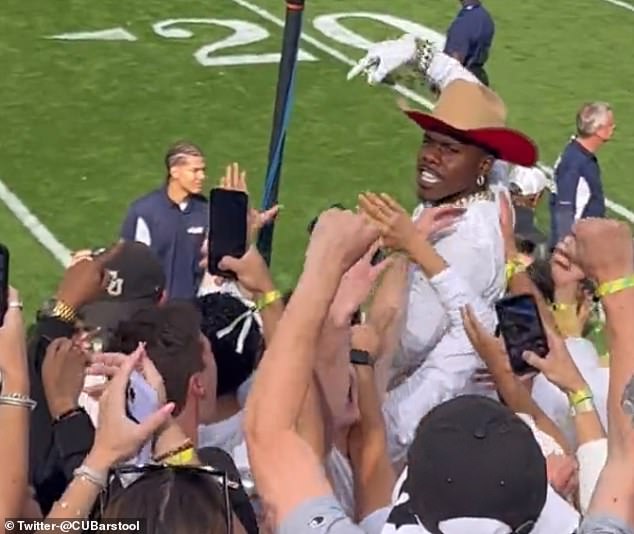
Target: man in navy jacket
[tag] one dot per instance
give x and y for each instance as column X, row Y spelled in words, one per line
column 470, row 37
column 578, row 191
column 173, row 220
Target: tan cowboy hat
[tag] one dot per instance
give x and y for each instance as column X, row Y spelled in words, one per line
column 472, row 113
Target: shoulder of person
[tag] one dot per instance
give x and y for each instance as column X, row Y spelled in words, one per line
column 199, row 200
column 148, row 200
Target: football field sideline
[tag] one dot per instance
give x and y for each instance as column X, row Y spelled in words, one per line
column 62, row 254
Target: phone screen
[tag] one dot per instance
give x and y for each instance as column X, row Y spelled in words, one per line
column 141, row 402
column 4, row 282
column 227, row 228
column 522, row 330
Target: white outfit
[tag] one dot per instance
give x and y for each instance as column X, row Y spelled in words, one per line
column 434, row 340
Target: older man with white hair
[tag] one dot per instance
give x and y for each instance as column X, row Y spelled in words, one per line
column 578, row 192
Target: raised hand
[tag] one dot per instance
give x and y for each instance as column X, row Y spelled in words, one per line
column 63, row 375
column 398, row 231
column 558, row 366
column 340, row 239
column 84, row 281
column 356, row 285
column 251, row 270
column 117, row 437
column 235, row 179
column 384, row 58
column 604, row 249
column 565, row 272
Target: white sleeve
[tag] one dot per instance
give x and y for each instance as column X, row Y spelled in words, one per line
column 582, row 197
column 591, row 457
column 444, row 69
column 142, row 232
column 446, row 372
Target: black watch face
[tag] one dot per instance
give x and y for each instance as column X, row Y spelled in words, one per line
column 360, row 357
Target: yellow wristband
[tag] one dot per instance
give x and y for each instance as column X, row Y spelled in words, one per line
column 577, row 397
column 562, row 307
column 267, row 299
column 181, row 458
column 513, row 267
column 609, row 288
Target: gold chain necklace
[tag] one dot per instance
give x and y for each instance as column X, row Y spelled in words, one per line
column 463, row 202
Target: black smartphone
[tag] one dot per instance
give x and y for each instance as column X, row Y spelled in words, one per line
column 4, row 282
column 522, row 330
column 227, row 228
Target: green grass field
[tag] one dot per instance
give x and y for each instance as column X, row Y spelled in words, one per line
column 85, row 123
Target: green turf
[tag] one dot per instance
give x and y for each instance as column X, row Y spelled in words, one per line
column 29, row 261
column 85, row 124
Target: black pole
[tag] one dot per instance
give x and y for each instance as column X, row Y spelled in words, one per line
column 290, row 43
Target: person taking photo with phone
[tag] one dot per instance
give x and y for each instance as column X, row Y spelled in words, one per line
column 172, row 220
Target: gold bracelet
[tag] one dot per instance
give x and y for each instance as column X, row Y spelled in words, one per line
column 64, row 312
column 614, row 286
column 267, row 299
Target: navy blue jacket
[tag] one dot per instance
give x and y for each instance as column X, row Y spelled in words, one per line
column 174, row 233
column 471, row 36
column 578, row 191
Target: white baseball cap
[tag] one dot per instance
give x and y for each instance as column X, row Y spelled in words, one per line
column 529, row 180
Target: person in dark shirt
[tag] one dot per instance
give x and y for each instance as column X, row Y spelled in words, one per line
column 173, row 220
column 470, row 36
column 578, row 191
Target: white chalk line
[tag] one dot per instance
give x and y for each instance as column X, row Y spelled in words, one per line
column 62, row 254
column 34, row 225
column 616, row 208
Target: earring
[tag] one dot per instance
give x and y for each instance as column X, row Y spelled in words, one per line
column 481, row 180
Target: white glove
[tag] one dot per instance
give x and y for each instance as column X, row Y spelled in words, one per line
column 384, row 58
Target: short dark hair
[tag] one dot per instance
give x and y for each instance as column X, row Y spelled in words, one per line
column 158, row 498
column 172, row 336
column 541, row 275
column 177, row 152
column 218, row 311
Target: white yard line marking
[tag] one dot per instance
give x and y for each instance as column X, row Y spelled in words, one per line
column 616, row 208
column 34, row 226
column 620, row 3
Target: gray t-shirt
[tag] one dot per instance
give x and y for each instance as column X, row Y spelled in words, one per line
column 604, row 525
column 323, row 515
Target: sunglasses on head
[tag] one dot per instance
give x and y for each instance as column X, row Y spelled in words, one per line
column 116, row 484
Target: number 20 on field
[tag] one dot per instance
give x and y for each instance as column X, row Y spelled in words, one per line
column 248, row 33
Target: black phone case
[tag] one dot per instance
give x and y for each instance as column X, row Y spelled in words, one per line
column 227, row 228
column 521, row 334
column 4, row 282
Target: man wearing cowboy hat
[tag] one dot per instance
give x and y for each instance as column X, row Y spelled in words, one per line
column 463, row 136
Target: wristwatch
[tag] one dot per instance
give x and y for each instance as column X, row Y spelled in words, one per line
column 58, row 309
column 361, row 357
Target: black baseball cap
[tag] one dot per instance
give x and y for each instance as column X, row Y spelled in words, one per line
column 475, row 467
column 472, row 457
column 136, row 281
